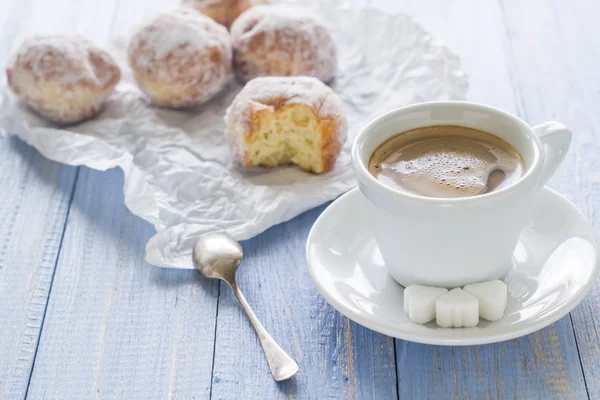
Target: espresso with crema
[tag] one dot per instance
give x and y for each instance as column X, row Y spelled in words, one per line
column 446, row 161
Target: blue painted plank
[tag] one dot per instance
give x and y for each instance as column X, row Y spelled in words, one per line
column 117, row 327
column 34, row 199
column 564, row 44
column 543, row 365
column 337, row 358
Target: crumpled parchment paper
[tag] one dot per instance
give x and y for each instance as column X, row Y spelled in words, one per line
column 179, row 172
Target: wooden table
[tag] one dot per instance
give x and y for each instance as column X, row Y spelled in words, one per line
column 82, row 316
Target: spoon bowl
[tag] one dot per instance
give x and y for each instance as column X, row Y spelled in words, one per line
column 216, row 255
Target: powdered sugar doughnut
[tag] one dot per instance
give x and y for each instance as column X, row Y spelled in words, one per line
column 222, row 11
column 281, row 120
column 65, row 78
column 281, row 40
column 180, row 58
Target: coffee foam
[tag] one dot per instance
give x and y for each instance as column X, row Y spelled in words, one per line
column 446, row 161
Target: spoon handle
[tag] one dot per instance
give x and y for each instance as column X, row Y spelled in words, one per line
column 281, row 364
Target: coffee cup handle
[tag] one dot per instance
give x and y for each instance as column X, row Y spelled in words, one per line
column 556, row 139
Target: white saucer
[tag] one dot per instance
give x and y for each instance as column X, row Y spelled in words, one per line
column 555, row 266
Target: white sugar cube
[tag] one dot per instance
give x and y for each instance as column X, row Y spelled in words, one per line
column 457, row 309
column 492, row 296
column 419, row 302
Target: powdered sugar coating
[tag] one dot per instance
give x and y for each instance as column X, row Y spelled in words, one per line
column 273, row 93
column 66, row 78
column 282, row 40
column 180, row 58
column 222, row 11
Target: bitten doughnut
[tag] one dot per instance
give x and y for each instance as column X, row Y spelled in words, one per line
column 180, row 58
column 222, row 11
column 281, row 120
column 281, row 40
column 65, row 78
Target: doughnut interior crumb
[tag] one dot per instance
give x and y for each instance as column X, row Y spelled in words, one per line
column 288, row 135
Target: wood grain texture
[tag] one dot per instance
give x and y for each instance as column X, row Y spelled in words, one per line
column 117, row 327
column 556, row 63
column 541, row 365
column 35, row 194
column 537, row 366
column 338, row 358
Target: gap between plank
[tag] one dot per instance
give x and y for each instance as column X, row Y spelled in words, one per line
column 587, row 390
column 212, row 369
column 60, row 243
column 394, row 340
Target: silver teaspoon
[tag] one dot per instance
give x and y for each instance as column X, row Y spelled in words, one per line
column 216, row 255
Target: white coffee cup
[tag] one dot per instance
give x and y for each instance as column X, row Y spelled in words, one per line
column 451, row 242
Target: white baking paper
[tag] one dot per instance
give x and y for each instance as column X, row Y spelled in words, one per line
column 179, row 172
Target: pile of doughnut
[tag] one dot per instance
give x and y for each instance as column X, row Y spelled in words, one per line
column 183, row 57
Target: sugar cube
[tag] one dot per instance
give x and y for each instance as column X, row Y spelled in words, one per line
column 457, row 309
column 419, row 302
column 492, row 296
